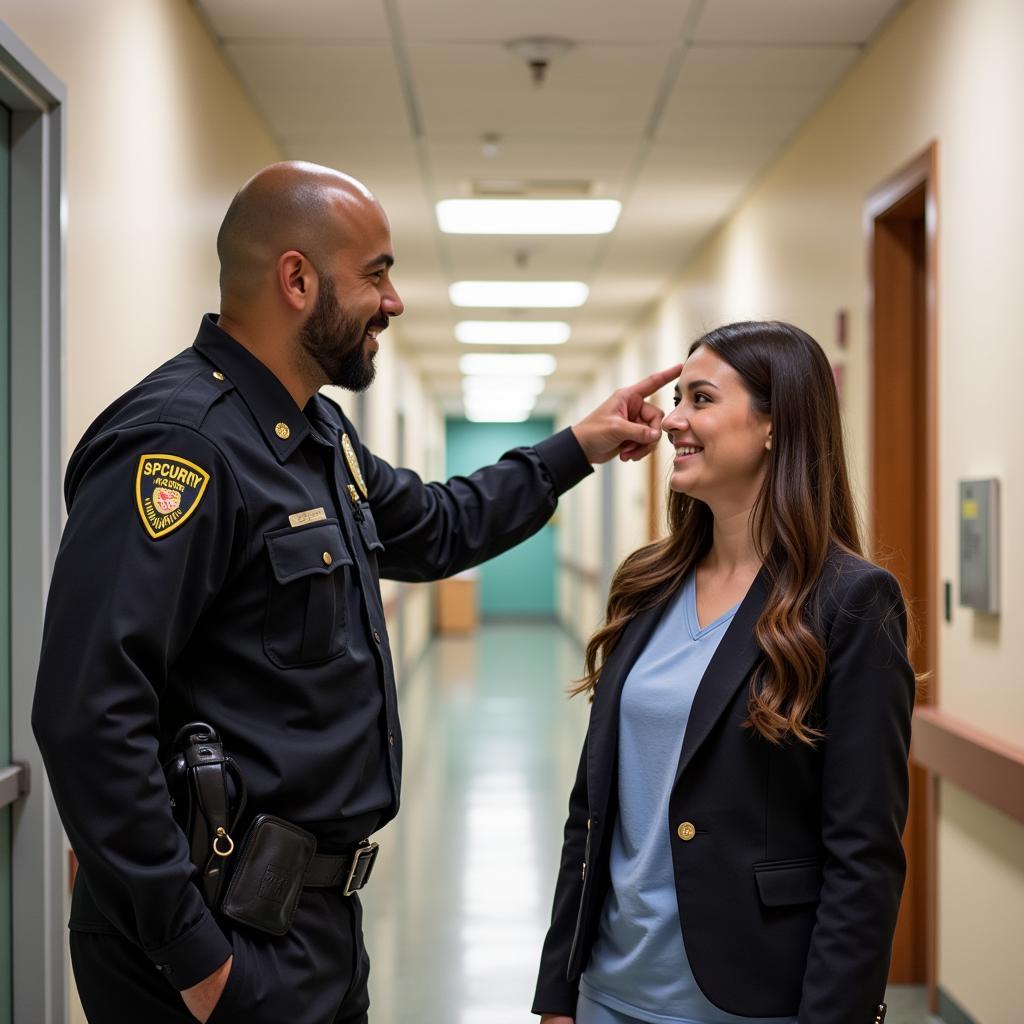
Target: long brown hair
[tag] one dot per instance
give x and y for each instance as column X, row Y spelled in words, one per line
column 803, row 510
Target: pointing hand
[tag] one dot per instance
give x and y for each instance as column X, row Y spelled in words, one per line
column 626, row 424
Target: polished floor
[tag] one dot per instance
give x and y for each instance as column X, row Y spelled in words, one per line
column 459, row 902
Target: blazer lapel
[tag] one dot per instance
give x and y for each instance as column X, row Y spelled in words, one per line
column 737, row 653
column 603, row 732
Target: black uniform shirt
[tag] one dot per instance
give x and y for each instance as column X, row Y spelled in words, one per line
column 221, row 562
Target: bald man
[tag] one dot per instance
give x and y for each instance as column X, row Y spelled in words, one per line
column 216, row 596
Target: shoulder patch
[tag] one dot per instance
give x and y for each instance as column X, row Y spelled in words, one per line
column 168, row 490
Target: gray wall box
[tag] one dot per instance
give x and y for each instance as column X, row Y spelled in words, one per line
column 979, row 545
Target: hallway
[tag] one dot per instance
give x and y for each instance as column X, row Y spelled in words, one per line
column 459, row 904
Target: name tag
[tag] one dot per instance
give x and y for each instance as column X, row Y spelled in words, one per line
column 313, row 515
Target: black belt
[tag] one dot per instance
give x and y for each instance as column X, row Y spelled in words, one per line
column 351, row 871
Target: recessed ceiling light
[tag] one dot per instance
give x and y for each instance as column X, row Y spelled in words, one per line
column 509, row 294
column 497, row 415
column 512, row 332
column 497, row 409
column 528, row 216
column 502, row 385
column 513, row 403
column 483, row 363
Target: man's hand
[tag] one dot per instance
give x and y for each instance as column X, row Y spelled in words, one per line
column 201, row 999
column 625, row 425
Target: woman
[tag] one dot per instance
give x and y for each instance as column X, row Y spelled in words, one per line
column 733, row 850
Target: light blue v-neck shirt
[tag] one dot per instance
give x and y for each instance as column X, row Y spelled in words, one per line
column 638, row 965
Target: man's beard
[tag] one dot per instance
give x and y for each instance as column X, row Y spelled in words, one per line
column 336, row 341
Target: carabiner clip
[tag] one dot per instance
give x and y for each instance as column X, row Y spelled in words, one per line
column 222, row 834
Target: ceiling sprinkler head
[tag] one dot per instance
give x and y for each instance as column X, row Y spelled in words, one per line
column 538, row 52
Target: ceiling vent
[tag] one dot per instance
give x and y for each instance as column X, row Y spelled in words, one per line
column 532, row 188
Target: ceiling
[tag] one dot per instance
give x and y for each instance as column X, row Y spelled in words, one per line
column 673, row 107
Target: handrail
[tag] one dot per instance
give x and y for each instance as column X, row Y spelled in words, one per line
column 590, row 576
column 988, row 767
column 14, row 783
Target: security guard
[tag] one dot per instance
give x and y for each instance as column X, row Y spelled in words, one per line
column 225, row 538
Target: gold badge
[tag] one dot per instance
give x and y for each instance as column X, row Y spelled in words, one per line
column 168, row 490
column 353, row 463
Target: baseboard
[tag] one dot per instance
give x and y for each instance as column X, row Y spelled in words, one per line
column 950, row 1011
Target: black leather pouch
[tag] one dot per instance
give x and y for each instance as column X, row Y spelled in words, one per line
column 268, row 875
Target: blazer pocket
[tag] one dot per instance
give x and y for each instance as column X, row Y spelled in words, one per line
column 307, row 605
column 785, row 883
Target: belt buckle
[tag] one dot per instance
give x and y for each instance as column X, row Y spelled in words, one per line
column 362, row 865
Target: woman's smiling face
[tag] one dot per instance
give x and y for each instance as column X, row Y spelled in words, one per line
column 720, row 440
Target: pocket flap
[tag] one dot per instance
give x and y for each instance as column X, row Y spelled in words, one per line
column 368, row 528
column 317, row 548
column 784, row 883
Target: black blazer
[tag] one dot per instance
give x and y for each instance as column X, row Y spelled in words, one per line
column 788, row 860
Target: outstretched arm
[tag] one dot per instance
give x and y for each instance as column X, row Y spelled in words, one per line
column 434, row 530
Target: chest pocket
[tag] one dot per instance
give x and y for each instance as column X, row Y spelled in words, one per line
column 368, row 528
column 307, row 609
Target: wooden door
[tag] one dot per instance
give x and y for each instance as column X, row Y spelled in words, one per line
column 900, row 221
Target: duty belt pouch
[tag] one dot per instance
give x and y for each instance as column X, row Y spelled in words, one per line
column 268, row 876
column 208, row 798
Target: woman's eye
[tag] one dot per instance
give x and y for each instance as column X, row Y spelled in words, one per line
column 699, row 395
column 675, row 401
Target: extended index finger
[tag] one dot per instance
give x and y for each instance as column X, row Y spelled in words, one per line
column 656, row 381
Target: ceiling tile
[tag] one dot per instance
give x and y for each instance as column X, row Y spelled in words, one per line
column 584, row 20
column 760, row 93
column 344, row 20
column 792, row 21
column 458, row 161
column 523, row 258
column 323, row 90
column 594, row 91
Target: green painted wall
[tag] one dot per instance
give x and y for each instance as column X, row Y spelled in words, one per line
column 520, row 582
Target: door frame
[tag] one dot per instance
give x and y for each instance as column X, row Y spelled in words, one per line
column 920, row 172
column 37, row 101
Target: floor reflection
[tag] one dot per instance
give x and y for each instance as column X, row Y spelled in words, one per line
column 459, row 904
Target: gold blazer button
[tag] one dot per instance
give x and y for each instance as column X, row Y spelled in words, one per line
column 686, row 831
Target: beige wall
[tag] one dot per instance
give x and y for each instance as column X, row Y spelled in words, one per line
column 159, row 138
column 948, row 70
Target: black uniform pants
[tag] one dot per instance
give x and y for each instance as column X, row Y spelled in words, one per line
column 316, row 974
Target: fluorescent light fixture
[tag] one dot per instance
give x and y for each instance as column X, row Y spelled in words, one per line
column 538, row 364
column 498, row 408
column 512, row 332
column 513, row 399
column 497, row 416
column 528, row 216
column 478, row 412
column 519, row 294
column 502, row 385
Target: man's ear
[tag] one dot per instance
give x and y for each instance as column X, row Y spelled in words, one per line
column 297, row 280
